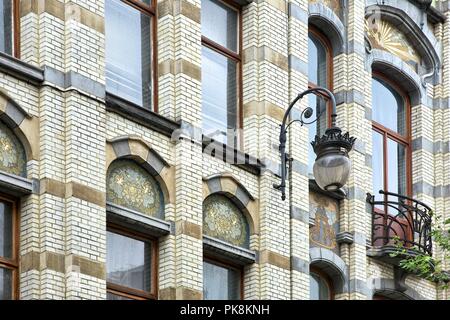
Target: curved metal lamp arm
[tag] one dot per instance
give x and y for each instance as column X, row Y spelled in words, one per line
column 284, row 127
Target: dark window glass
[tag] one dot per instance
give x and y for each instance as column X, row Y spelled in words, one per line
column 220, row 283
column 388, row 107
column 219, row 94
column 318, row 288
column 6, row 230
column 128, row 262
column 128, row 34
column 6, row 26
column 6, row 276
column 220, row 24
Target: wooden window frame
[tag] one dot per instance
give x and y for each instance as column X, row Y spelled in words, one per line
column 151, row 11
column 131, row 293
column 324, row 277
column 404, row 140
column 212, row 260
column 13, row 263
column 329, row 69
column 236, row 57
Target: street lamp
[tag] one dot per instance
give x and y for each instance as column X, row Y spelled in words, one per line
column 332, row 166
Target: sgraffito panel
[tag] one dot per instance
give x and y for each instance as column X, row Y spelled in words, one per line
column 12, row 153
column 325, row 213
column 223, row 220
column 131, row 186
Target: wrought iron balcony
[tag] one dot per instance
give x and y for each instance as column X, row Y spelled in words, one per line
column 399, row 219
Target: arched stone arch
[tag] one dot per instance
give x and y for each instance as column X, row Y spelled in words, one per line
column 386, row 287
column 329, row 23
column 226, row 184
column 133, row 147
column 406, row 18
column 23, row 125
column 331, row 264
column 399, row 72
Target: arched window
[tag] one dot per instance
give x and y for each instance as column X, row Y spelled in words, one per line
column 131, row 186
column 320, row 286
column 223, row 220
column 320, row 66
column 391, row 151
column 12, row 153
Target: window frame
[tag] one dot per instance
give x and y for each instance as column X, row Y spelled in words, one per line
column 128, row 292
column 15, row 8
column 151, row 11
column 218, row 262
column 329, row 66
column 388, row 133
column 326, row 278
column 13, row 263
column 237, row 57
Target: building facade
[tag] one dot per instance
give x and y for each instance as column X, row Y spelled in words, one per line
column 139, row 147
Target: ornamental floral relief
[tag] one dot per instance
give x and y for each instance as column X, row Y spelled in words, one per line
column 131, row 186
column 224, row 221
column 12, row 153
column 384, row 35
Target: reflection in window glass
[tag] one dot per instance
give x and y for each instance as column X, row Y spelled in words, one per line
column 317, row 62
column 220, row 24
column 6, row 230
column 6, row 284
column 377, row 164
column 220, row 283
column 219, row 95
column 388, row 107
column 128, row 53
column 318, row 288
column 128, row 262
column 111, row 296
column 6, row 26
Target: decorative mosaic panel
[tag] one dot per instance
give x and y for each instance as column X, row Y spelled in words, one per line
column 224, row 221
column 334, row 5
column 385, row 36
column 325, row 212
column 12, row 153
column 131, row 186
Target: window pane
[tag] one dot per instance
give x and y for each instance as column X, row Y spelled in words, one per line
column 317, row 62
column 112, row 296
column 377, row 164
column 6, row 230
column 396, row 167
column 219, row 95
column 128, row 53
column 128, row 262
column 6, row 284
column 318, row 104
column 220, row 23
column 220, row 283
column 388, row 107
column 6, row 26
column 318, row 288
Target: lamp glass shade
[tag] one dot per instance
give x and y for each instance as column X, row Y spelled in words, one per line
column 331, row 170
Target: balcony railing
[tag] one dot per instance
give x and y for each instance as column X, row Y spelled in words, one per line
column 403, row 219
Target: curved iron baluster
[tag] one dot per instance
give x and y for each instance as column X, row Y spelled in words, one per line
column 411, row 221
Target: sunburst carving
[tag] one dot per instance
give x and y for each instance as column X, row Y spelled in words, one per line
column 385, row 36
